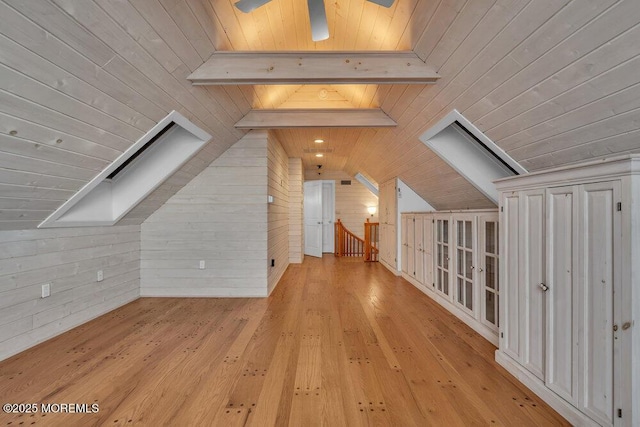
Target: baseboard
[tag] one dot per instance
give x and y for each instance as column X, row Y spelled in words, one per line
column 486, row 332
column 564, row 408
column 151, row 292
column 390, row 268
column 20, row 343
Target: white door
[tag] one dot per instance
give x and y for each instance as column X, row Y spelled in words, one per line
column 532, row 295
column 328, row 213
column 410, row 255
column 510, row 307
column 427, row 248
column 404, row 221
column 561, row 296
column 599, row 224
column 313, row 218
column 419, row 245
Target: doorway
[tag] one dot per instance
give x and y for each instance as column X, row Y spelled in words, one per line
column 319, row 217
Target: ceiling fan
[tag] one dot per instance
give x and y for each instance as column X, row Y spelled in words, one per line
column 317, row 14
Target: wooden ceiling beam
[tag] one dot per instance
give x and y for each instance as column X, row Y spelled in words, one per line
column 315, row 118
column 313, row 67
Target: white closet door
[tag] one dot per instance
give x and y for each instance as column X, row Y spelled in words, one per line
column 532, row 297
column 419, row 249
column 599, row 223
column 427, row 229
column 313, row 218
column 410, row 254
column 561, row 336
column 328, row 216
column 510, row 306
column 404, row 240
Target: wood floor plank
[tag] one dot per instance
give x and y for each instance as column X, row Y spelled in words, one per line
column 340, row 342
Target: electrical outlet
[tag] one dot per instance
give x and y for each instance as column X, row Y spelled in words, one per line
column 100, row 277
column 46, row 290
column 202, row 264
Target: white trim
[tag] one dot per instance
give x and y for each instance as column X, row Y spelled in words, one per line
column 598, row 170
column 103, row 196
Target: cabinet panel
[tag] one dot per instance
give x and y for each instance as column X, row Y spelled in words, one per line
column 510, row 323
column 443, row 255
column 427, row 230
column 419, row 250
column 596, row 268
column 560, row 335
column 532, row 274
column 410, row 248
column 464, row 263
column 489, row 262
column 404, row 244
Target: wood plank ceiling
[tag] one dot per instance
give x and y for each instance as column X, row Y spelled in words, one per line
column 550, row 81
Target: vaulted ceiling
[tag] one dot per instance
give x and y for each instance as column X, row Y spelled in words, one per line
column 550, row 81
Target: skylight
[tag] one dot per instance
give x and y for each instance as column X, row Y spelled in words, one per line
column 132, row 176
column 365, row 181
column 471, row 153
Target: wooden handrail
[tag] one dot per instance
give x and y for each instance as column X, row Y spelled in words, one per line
column 371, row 239
column 347, row 243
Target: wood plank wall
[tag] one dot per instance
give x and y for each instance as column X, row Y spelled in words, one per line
column 67, row 259
column 219, row 217
column 278, row 211
column 296, row 199
column 351, row 200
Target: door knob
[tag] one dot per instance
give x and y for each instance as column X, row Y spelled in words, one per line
column 543, row 287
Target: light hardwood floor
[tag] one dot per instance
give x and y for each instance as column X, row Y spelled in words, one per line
column 339, row 342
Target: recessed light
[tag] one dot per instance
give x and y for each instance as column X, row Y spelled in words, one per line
column 319, row 141
column 319, row 155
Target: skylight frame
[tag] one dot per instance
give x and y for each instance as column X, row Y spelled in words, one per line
column 494, row 156
column 94, row 192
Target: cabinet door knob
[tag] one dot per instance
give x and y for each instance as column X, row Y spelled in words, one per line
column 480, row 270
column 543, row 287
column 626, row 325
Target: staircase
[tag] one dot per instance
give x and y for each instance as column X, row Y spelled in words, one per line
column 348, row 244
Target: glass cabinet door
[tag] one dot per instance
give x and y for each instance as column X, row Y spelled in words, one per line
column 489, row 269
column 464, row 294
column 442, row 256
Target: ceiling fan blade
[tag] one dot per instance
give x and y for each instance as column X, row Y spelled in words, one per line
column 384, row 3
column 318, row 20
column 250, row 5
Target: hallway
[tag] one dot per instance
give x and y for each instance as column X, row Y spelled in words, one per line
column 339, row 342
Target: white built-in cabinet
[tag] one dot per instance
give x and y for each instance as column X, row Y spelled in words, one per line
column 569, row 297
column 453, row 257
column 388, row 204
